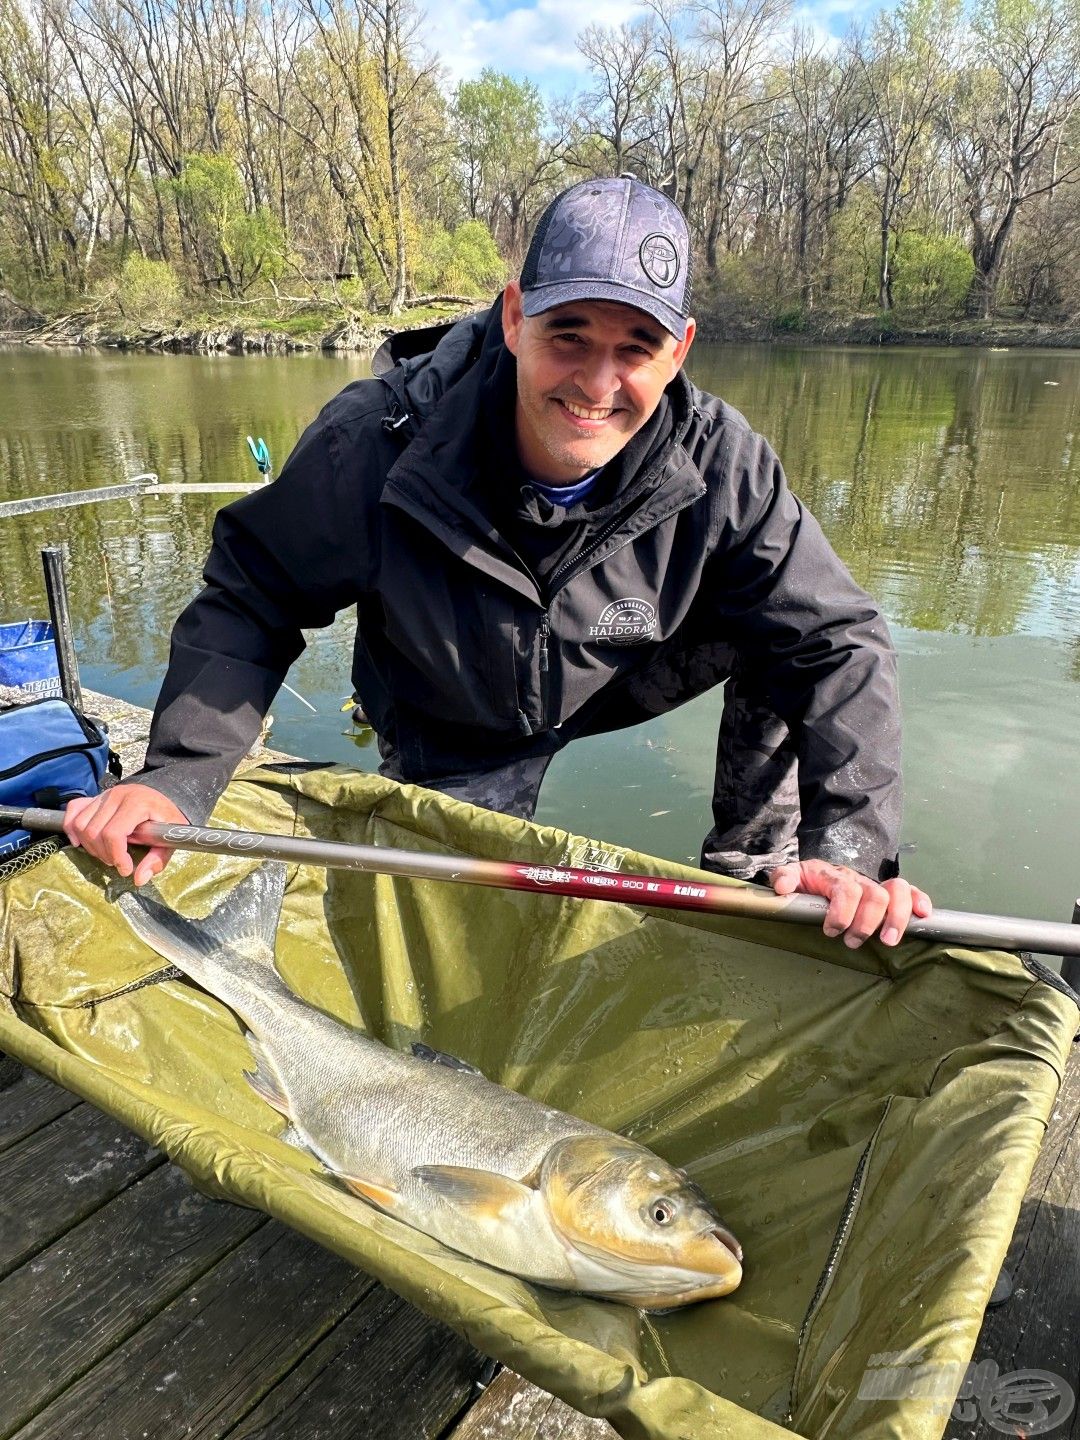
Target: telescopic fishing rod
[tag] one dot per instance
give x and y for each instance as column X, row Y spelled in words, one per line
column 959, row 927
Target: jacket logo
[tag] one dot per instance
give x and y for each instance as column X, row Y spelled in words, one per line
column 660, row 260
column 625, row 622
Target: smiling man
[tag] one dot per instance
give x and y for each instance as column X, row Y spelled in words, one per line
column 548, row 532
column 590, row 374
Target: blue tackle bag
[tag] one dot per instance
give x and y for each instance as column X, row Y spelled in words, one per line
column 49, row 753
column 28, row 666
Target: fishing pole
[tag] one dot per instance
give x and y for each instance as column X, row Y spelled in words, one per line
column 960, row 927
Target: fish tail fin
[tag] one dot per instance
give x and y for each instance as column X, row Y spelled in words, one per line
column 230, row 953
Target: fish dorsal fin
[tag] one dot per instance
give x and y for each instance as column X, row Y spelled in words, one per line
column 440, row 1057
column 485, row 1195
column 248, row 915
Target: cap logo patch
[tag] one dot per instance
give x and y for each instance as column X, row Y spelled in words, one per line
column 660, row 260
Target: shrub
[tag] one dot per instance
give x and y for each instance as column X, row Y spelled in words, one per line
column 148, row 292
column 790, row 321
column 464, row 261
column 931, row 273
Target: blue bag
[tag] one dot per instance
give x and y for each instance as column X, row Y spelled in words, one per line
column 28, row 667
column 48, row 754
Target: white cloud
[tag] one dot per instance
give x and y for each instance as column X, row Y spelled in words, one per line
column 536, row 40
column 527, row 41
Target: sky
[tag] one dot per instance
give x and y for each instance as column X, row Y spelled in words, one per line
column 534, row 39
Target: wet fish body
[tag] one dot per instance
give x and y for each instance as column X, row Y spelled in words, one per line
column 489, row 1172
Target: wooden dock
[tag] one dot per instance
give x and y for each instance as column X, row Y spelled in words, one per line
column 133, row 1306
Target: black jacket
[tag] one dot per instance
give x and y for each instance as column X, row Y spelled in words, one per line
column 461, row 654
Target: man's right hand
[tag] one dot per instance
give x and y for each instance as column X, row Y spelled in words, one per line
column 102, row 825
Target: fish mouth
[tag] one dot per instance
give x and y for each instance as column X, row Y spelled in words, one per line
column 727, row 1239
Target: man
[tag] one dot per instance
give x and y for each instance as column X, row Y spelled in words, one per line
column 548, row 532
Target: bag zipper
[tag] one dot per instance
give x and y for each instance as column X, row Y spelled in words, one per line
column 43, row 756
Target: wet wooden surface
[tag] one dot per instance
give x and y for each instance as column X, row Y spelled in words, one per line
column 132, row 1305
column 512, row 1409
column 1038, row 1328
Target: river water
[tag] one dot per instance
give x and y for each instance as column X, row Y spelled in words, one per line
column 948, row 480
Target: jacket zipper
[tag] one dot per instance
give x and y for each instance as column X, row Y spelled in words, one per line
column 545, row 635
column 574, row 563
column 584, row 554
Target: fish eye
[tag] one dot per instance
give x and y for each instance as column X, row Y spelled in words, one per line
column 661, row 1211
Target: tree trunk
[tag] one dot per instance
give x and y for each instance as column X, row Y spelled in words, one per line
column 397, row 298
column 988, row 253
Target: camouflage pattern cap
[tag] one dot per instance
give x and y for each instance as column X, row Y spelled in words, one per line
column 611, row 240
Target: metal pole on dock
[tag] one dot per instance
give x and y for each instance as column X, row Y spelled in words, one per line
column 52, row 562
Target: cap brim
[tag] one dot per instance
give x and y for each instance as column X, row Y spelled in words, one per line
column 546, row 297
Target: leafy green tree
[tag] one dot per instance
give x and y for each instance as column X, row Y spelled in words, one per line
column 931, row 273
column 502, row 153
column 460, row 262
column 148, row 292
column 234, row 245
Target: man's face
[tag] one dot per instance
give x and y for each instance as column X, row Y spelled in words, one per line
column 589, row 376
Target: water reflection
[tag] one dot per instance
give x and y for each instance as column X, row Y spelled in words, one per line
column 948, row 480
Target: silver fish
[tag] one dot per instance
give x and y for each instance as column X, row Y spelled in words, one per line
column 490, row 1173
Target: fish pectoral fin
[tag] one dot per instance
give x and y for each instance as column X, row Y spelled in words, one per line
column 384, row 1196
column 440, row 1057
column 265, row 1080
column 292, row 1136
column 485, row 1194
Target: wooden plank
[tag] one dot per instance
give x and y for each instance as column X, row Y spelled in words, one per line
column 391, row 1370
column 10, row 1071
column 74, row 1302
column 62, row 1173
column 1039, row 1327
column 211, row 1355
column 513, row 1409
column 30, row 1103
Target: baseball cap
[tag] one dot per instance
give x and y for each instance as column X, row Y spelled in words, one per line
column 611, row 240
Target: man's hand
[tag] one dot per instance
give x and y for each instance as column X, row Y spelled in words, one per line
column 102, row 825
column 857, row 904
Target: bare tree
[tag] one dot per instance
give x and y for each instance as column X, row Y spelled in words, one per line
column 1006, row 118
column 623, row 63
column 905, row 66
column 735, row 35
column 686, row 100
column 827, row 134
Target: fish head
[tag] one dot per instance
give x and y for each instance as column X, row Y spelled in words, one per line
column 620, row 1208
